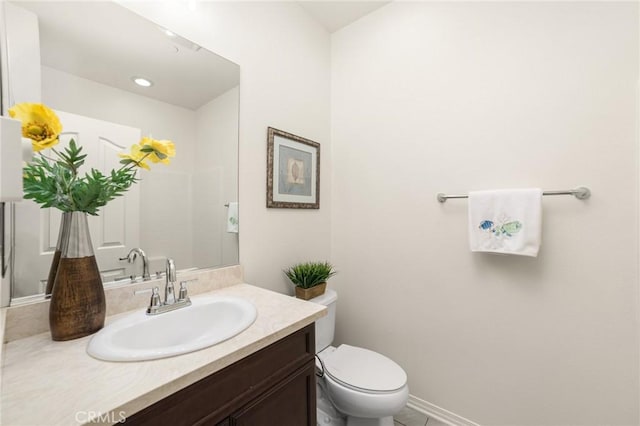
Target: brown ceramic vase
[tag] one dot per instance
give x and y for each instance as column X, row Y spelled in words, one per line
column 78, row 305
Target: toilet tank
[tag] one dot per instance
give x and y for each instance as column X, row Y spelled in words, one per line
column 326, row 325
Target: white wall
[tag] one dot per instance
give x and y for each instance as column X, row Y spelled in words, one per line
column 22, row 34
column 453, row 97
column 215, row 180
column 284, row 59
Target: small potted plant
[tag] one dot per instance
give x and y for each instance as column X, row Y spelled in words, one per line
column 310, row 278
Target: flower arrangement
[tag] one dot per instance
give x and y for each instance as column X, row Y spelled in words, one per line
column 55, row 180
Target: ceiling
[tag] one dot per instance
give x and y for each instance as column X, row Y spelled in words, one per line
column 119, row 45
column 334, row 15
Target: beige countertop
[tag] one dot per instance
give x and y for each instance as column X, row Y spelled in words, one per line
column 57, row 383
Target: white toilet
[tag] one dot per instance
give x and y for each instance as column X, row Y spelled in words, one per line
column 359, row 387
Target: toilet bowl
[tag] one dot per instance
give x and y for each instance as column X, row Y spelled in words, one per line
column 365, row 388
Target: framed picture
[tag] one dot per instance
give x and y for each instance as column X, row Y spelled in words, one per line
column 293, row 171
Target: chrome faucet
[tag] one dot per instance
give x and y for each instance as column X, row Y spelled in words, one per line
column 170, row 280
column 131, row 257
column 156, row 306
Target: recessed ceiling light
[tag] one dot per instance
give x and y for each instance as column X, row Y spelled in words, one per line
column 141, row 81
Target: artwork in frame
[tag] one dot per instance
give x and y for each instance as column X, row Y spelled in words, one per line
column 293, row 171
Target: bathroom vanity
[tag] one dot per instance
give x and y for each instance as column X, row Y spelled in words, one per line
column 262, row 374
column 277, row 382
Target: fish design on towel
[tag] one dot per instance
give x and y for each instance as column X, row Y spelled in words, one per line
column 486, row 225
column 505, row 229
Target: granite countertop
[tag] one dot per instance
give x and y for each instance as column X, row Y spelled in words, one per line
column 57, row 383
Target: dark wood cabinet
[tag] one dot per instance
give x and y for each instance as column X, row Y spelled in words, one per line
column 275, row 385
column 283, row 403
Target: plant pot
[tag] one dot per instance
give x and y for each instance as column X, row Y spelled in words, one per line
column 78, row 306
column 310, row 293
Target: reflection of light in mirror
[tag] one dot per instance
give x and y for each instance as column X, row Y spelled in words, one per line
column 177, row 40
column 141, row 81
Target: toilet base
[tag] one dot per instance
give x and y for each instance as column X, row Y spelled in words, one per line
column 329, row 419
column 327, row 415
column 359, row 421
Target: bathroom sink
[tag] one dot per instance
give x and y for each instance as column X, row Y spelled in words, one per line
column 138, row 336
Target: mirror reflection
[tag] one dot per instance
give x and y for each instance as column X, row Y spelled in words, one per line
column 88, row 68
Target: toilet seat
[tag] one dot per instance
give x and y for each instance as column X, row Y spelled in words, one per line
column 364, row 370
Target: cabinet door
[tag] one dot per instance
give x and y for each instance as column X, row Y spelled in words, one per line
column 289, row 403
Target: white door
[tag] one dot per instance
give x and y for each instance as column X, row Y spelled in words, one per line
column 113, row 233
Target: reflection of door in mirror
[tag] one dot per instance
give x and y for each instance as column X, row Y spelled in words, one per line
column 86, row 69
column 116, row 227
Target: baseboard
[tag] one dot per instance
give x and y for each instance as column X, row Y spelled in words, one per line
column 438, row 413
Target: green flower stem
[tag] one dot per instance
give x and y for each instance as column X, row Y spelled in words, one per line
column 72, row 166
column 44, row 156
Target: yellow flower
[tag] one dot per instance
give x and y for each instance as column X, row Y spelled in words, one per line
column 163, row 150
column 39, row 123
column 136, row 155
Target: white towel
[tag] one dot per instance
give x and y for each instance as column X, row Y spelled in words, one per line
column 507, row 221
column 232, row 218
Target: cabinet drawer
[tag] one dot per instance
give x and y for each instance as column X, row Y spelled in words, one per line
column 212, row 399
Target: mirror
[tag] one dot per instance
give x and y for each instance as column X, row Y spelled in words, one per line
column 90, row 52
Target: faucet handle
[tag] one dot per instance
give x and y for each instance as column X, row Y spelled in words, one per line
column 182, row 294
column 155, row 298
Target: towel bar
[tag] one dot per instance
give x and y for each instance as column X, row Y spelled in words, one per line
column 581, row 193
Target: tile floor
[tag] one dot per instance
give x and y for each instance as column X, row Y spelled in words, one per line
column 410, row 417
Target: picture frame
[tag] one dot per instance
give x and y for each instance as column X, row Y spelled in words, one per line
column 293, row 171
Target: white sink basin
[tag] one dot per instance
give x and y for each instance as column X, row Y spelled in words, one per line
column 137, row 337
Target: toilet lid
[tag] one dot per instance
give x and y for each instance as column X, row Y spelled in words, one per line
column 364, row 369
